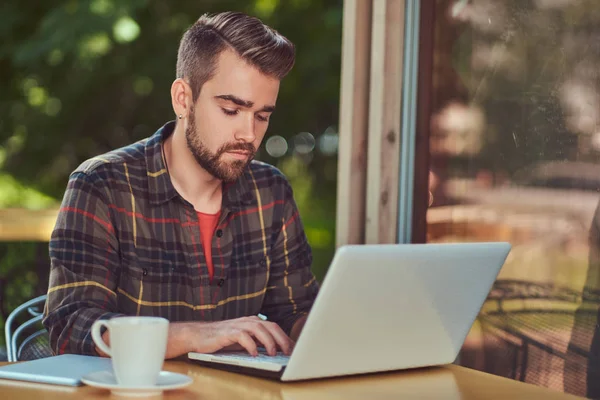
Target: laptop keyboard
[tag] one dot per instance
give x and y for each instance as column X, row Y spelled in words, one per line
column 262, row 356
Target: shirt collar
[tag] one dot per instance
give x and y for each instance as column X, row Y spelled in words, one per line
column 161, row 190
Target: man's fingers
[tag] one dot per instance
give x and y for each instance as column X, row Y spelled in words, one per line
column 106, row 339
column 252, row 331
column 246, row 341
column 283, row 341
column 275, row 336
column 263, row 335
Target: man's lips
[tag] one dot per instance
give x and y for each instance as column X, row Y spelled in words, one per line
column 239, row 154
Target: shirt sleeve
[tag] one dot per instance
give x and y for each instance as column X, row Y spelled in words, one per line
column 292, row 288
column 84, row 263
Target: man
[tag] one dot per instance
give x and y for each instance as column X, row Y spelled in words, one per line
column 183, row 224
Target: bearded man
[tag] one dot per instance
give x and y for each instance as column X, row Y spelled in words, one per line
column 184, row 224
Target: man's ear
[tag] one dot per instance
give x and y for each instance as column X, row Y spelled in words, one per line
column 181, row 98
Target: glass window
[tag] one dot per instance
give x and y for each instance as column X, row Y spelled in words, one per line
column 514, row 144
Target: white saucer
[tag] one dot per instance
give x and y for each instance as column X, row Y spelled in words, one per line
column 166, row 381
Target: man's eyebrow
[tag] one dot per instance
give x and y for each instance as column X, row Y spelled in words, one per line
column 243, row 103
column 235, row 100
column 267, row 109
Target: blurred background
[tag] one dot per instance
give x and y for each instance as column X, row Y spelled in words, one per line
column 512, row 94
column 514, row 151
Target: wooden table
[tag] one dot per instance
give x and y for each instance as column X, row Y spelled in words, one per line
column 450, row 382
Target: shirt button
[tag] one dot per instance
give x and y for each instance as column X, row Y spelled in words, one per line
column 144, row 272
column 221, row 282
column 219, row 233
column 262, row 262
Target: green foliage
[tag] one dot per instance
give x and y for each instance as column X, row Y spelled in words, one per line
column 317, row 213
column 18, row 275
column 85, row 77
column 15, row 194
column 19, row 261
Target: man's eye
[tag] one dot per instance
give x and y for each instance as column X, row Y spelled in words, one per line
column 262, row 118
column 230, row 112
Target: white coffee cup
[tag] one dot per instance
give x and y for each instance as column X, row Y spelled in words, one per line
column 137, row 347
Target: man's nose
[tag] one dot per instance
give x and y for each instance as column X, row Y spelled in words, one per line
column 247, row 130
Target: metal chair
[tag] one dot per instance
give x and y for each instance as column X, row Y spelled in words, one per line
column 34, row 308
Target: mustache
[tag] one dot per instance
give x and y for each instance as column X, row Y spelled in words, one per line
column 242, row 147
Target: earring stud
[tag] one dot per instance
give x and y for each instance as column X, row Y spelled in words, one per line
column 180, row 116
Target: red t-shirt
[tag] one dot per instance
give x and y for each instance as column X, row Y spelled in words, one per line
column 208, row 224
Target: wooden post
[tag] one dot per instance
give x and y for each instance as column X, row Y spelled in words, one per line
column 385, row 108
column 354, row 115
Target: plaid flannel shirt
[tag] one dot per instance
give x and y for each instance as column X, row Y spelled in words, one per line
column 126, row 243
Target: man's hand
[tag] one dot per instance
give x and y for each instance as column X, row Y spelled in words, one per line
column 208, row 337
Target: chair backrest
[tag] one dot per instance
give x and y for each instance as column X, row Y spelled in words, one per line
column 34, row 308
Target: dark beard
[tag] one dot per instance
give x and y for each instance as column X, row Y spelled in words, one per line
column 211, row 162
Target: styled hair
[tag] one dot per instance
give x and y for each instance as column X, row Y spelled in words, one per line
column 256, row 43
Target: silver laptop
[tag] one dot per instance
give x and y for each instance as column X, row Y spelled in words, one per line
column 66, row 369
column 384, row 308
